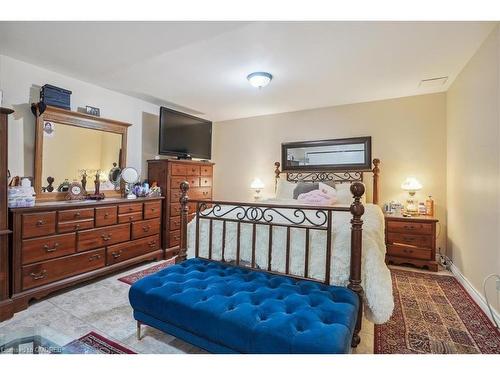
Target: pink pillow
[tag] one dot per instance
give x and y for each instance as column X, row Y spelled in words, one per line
column 317, row 197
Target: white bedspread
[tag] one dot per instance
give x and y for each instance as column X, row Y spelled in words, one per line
column 376, row 278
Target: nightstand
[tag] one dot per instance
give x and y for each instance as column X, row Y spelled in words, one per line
column 411, row 240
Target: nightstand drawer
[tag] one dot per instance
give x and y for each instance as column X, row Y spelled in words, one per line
column 418, row 240
column 409, row 252
column 409, row 227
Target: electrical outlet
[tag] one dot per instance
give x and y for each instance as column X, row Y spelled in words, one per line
column 498, row 285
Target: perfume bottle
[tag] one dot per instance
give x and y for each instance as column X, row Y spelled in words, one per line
column 429, row 206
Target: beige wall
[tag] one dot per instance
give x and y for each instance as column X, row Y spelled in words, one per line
column 21, row 83
column 408, row 135
column 473, row 144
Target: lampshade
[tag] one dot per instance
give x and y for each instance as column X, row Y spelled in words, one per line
column 259, row 79
column 257, row 184
column 411, row 184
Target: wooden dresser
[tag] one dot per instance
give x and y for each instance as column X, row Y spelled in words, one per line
column 169, row 174
column 411, row 240
column 58, row 244
column 6, row 307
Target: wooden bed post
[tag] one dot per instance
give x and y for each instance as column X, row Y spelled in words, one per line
column 376, row 172
column 184, row 199
column 357, row 210
column 277, row 173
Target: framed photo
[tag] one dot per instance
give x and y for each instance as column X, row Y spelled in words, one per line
column 92, row 111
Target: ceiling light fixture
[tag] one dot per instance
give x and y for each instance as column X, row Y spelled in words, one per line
column 259, row 79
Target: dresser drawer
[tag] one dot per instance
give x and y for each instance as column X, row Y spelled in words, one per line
column 152, row 210
column 132, row 249
column 39, row 224
column 128, row 218
column 205, row 181
column 178, row 170
column 94, row 238
column 406, row 227
column 129, row 208
column 200, row 193
column 174, row 238
column 175, row 182
column 73, row 215
column 175, row 209
column 206, row 170
column 175, row 195
column 44, row 248
column 46, row 272
column 145, row 228
column 193, row 181
column 106, row 216
column 175, row 223
column 409, row 252
column 418, row 240
column 193, row 170
column 73, row 226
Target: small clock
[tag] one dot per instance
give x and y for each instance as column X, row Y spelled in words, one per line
column 75, row 191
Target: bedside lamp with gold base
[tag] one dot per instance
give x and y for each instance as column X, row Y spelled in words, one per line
column 257, row 185
column 411, row 185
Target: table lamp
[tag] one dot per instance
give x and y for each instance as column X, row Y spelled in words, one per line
column 411, row 185
column 257, row 185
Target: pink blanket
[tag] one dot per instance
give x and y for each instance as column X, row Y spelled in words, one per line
column 316, row 197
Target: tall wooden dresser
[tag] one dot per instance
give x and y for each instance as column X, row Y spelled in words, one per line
column 169, row 174
column 6, row 310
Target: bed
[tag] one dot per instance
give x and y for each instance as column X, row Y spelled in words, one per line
column 272, row 277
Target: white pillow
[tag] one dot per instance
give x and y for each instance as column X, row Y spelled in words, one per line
column 344, row 195
column 285, row 188
column 328, row 190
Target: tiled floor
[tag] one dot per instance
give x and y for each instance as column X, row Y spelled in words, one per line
column 103, row 307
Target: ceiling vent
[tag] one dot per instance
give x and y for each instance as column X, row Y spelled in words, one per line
column 433, row 82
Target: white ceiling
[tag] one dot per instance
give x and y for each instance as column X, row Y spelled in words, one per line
column 202, row 66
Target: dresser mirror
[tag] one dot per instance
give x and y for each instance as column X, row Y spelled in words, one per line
column 76, row 147
column 333, row 154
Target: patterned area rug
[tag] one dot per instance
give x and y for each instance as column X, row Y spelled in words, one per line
column 93, row 343
column 133, row 277
column 434, row 314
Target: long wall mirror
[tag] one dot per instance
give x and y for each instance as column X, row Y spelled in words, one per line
column 74, row 147
column 333, row 154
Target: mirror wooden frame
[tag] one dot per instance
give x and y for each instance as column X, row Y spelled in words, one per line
column 82, row 120
column 366, row 166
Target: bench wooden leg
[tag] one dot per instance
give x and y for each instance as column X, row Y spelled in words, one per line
column 138, row 330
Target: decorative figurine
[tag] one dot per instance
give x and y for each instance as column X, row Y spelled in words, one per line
column 84, row 180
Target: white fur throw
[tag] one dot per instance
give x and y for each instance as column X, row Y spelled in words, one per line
column 376, row 278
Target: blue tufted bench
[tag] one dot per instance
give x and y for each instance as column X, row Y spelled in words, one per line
column 228, row 309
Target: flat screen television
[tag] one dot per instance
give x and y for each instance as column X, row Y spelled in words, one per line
column 184, row 136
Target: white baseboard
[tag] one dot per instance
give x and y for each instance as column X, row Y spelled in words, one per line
column 476, row 296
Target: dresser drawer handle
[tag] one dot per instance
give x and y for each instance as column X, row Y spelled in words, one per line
column 77, row 226
column 95, row 257
column 117, row 254
column 106, row 237
column 78, row 214
column 409, row 239
column 51, row 250
column 39, row 276
column 39, row 223
column 407, row 251
column 130, row 209
column 106, row 215
column 152, row 243
column 153, row 209
column 409, row 227
column 146, row 228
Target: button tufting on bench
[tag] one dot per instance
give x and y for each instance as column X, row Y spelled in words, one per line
column 260, row 305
